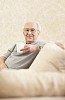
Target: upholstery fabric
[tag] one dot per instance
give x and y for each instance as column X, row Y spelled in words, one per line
column 50, row 58
column 28, row 83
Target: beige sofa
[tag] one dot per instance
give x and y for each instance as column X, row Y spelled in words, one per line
column 45, row 77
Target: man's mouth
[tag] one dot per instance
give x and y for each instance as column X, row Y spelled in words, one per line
column 29, row 36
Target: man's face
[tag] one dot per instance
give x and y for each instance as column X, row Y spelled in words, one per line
column 31, row 32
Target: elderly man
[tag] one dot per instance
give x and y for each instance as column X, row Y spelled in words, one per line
column 15, row 60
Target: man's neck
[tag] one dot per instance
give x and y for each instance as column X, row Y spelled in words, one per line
column 28, row 42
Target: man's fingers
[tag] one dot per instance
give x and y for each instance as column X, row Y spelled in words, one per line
column 25, row 48
column 25, row 51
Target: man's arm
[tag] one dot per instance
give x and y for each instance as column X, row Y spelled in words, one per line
column 31, row 48
column 4, row 57
column 2, row 62
column 34, row 47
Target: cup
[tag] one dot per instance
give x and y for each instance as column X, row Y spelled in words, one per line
column 20, row 46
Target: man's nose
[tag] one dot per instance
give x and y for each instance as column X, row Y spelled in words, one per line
column 29, row 32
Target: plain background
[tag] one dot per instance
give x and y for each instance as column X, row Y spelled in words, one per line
column 15, row 13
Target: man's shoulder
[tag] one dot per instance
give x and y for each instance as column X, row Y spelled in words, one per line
column 39, row 42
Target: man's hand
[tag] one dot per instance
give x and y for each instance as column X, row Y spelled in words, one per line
column 30, row 48
column 2, row 65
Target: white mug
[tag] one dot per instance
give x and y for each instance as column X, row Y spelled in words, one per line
column 20, row 45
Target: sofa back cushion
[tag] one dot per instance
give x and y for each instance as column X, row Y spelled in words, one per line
column 50, row 58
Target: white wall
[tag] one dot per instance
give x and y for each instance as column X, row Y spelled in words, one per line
column 14, row 13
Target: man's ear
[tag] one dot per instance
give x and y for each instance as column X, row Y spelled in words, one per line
column 23, row 34
column 38, row 32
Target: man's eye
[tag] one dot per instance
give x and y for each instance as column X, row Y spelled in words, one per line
column 27, row 30
column 32, row 30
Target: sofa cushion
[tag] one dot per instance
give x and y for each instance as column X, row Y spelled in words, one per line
column 28, row 83
column 50, row 58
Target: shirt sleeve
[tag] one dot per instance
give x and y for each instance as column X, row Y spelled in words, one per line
column 40, row 43
column 9, row 51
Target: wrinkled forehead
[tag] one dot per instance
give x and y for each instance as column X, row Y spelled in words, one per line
column 30, row 25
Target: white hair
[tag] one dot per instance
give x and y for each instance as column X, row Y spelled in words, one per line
column 39, row 27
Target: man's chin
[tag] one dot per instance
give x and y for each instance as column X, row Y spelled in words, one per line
column 29, row 42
